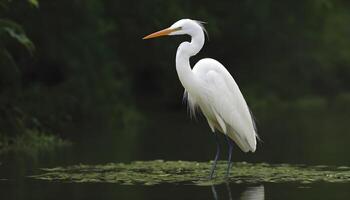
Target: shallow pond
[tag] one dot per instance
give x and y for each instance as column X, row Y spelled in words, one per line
column 177, row 180
column 104, row 165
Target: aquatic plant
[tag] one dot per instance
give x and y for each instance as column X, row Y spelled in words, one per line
column 186, row 172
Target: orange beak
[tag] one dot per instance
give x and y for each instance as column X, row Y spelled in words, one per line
column 163, row 32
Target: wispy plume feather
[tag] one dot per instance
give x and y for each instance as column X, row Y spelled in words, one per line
column 201, row 24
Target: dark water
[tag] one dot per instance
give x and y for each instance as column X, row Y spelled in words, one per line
column 173, row 136
column 30, row 189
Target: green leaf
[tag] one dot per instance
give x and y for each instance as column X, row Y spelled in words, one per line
column 16, row 32
column 34, row 3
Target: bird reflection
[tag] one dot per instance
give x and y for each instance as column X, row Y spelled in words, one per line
column 251, row 193
column 254, row 193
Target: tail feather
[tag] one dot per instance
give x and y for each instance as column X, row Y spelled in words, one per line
column 242, row 143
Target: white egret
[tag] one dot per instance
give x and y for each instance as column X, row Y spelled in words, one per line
column 211, row 88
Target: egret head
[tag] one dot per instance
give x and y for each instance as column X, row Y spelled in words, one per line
column 181, row 27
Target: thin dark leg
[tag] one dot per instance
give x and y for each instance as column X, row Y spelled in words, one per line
column 230, row 146
column 216, row 156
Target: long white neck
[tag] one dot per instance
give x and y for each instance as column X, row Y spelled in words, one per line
column 183, row 54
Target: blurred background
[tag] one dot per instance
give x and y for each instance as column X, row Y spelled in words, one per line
column 79, row 85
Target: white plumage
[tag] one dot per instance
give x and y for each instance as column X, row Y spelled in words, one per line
column 222, row 103
column 211, row 88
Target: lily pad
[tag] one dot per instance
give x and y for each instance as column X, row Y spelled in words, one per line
column 186, row 172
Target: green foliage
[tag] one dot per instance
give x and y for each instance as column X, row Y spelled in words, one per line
column 74, row 78
column 16, row 32
column 10, row 30
column 31, row 143
column 11, row 117
column 34, row 3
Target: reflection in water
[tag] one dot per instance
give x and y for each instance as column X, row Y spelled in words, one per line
column 215, row 194
column 254, row 193
column 251, row 193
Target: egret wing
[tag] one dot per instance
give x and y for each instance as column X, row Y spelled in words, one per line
column 227, row 103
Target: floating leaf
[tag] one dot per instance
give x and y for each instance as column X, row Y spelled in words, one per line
column 185, row 172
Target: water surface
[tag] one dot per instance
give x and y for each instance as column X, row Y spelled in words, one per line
column 173, row 136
